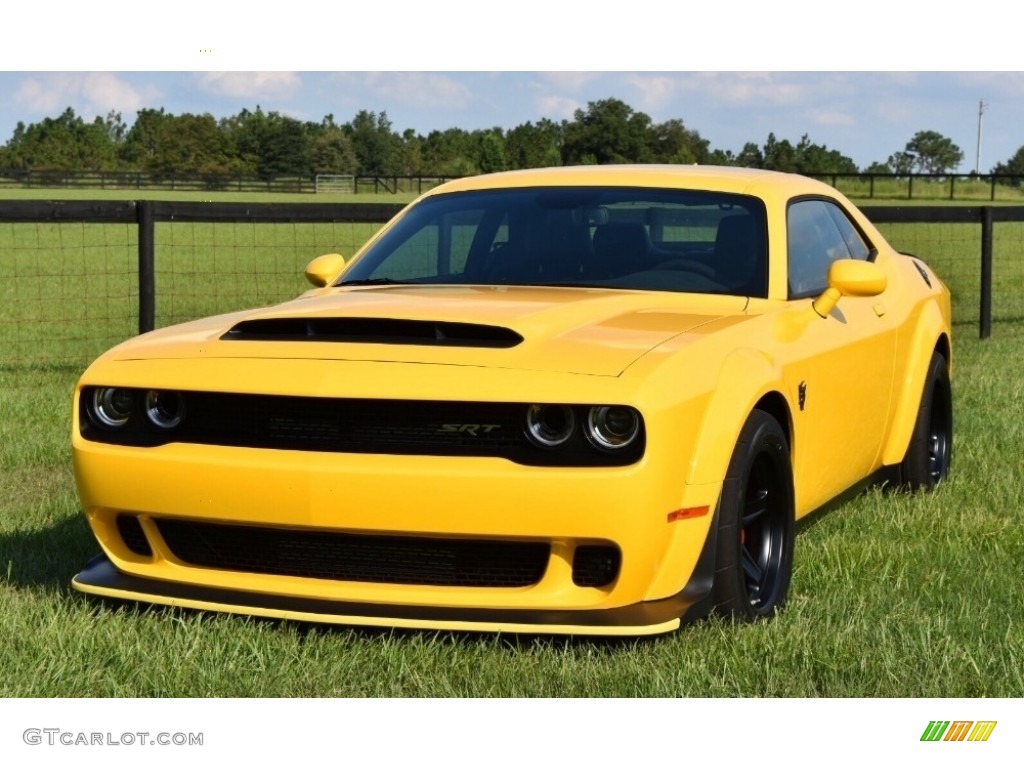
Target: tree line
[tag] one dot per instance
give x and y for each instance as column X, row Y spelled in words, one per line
column 269, row 144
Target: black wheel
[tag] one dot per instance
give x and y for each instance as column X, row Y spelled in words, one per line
column 754, row 548
column 930, row 451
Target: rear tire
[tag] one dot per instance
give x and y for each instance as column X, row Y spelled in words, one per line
column 754, row 546
column 930, row 452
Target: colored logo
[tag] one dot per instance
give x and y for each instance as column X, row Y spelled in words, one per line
column 958, row 730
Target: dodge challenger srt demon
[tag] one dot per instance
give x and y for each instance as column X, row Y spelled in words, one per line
column 575, row 400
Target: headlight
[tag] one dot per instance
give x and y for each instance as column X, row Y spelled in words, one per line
column 111, row 407
column 550, row 426
column 612, row 427
column 165, row 409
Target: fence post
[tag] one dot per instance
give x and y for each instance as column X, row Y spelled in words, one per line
column 147, row 272
column 985, row 324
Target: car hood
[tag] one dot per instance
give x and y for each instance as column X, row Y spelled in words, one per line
column 573, row 330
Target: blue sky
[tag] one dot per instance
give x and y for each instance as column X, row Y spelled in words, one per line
column 733, row 85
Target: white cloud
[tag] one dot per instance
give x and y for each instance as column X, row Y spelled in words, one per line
column 88, row 93
column 418, row 89
column 250, row 85
column 574, row 82
column 831, row 117
column 742, row 89
column 657, row 92
column 556, row 107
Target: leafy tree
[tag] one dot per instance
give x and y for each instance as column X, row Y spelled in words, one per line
column 377, row 146
column 818, row 159
column 880, row 168
column 333, row 152
column 491, row 150
column 66, row 142
column 412, row 153
column 451, row 152
column 162, row 143
column 270, row 144
column 933, row 152
column 723, row 157
column 901, row 163
column 673, row 142
column 285, row 148
column 534, row 146
column 780, row 155
column 1013, row 167
column 609, row 131
column 750, row 156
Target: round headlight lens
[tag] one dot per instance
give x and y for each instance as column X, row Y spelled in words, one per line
column 550, row 426
column 165, row 409
column 611, row 427
column 111, row 407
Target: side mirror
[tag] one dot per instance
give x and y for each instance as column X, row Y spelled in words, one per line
column 850, row 277
column 322, row 270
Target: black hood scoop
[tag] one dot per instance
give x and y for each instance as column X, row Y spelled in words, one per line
column 373, row 330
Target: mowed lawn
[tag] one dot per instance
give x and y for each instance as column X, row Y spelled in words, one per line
column 893, row 594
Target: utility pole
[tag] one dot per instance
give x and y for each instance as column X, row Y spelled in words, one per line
column 977, row 157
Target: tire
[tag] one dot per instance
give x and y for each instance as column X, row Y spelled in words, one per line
column 930, row 452
column 754, row 545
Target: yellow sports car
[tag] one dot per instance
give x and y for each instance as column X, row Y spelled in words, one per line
column 574, row 400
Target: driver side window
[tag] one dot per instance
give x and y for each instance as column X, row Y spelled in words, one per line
column 818, row 233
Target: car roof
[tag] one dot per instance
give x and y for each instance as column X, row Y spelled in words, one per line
column 708, row 177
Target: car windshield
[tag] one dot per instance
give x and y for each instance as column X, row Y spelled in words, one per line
column 630, row 238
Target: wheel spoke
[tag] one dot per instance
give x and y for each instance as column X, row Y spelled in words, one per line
column 755, row 506
column 751, row 568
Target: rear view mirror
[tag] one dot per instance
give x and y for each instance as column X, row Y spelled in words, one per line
column 850, row 277
column 324, row 269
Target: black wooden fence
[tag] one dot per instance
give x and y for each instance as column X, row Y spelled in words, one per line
column 880, row 186
column 27, row 178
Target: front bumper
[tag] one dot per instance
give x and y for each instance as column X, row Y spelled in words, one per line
column 100, row 578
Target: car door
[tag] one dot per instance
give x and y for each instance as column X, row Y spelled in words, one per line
column 842, row 365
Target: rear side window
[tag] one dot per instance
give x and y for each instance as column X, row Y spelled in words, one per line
column 818, row 232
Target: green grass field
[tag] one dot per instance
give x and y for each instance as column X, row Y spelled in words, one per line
column 893, row 595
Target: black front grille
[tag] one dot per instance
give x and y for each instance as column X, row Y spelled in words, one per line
column 348, row 425
column 357, row 557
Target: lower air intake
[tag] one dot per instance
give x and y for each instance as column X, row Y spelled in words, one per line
column 595, row 566
column 357, row 557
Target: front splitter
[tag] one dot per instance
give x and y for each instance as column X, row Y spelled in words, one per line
column 101, row 578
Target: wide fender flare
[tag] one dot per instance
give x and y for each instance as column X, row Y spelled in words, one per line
column 931, row 327
column 746, row 376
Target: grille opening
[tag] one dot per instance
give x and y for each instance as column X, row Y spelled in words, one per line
column 595, row 565
column 357, row 557
column 363, row 425
column 133, row 536
column 372, row 330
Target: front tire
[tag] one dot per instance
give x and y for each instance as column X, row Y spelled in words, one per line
column 930, row 452
column 754, row 547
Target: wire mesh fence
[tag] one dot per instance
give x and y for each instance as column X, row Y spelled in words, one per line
column 73, row 288
column 69, row 291
column 952, row 250
column 206, row 268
